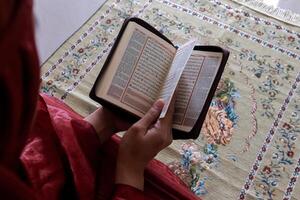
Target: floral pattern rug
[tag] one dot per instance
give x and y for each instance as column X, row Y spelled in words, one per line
column 248, row 147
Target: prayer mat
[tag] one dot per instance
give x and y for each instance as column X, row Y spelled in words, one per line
column 248, row 147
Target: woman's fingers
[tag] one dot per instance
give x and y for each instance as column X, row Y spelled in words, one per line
column 160, row 135
column 151, row 116
column 141, row 143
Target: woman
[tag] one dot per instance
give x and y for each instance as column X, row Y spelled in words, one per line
column 47, row 151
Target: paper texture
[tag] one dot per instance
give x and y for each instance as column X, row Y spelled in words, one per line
column 182, row 55
column 193, row 88
column 141, row 73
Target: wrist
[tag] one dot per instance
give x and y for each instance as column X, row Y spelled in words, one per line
column 130, row 175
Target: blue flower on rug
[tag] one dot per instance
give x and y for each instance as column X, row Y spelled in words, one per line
column 195, row 159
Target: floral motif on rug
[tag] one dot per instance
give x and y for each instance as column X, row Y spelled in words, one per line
column 218, row 129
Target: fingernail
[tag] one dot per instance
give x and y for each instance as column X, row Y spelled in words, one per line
column 159, row 104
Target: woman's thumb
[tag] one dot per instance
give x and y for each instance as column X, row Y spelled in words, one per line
column 152, row 114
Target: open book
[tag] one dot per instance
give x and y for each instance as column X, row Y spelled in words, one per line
column 144, row 66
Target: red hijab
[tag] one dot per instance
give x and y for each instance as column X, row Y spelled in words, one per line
column 19, row 83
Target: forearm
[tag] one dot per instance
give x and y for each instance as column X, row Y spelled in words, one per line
column 102, row 123
column 129, row 175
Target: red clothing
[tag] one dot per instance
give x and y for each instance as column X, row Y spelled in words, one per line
column 46, row 150
column 63, row 144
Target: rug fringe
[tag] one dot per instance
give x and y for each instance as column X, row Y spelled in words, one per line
column 287, row 16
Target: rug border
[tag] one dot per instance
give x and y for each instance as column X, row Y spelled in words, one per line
column 70, row 36
column 283, row 15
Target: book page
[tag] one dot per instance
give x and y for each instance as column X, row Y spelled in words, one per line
column 193, row 88
column 137, row 71
column 182, row 55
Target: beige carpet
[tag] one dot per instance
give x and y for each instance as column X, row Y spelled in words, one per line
column 254, row 152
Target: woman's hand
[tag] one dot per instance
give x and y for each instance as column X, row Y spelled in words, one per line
column 106, row 123
column 141, row 143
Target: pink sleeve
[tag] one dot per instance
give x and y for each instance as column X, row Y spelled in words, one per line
column 124, row 192
column 63, row 159
column 60, row 157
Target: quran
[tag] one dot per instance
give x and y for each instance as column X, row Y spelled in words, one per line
column 144, row 66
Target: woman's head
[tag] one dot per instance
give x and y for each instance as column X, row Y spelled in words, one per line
column 6, row 10
column 19, row 78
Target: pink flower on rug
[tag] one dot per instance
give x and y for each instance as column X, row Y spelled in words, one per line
column 230, row 14
column 49, row 82
column 267, row 169
column 181, row 172
column 75, row 71
column 202, row 9
column 104, row 39
column 238, row 17
column 259, row 33
column 290, row 154
column 287, row 126
column 291, row 39
column 217, row 128
column 81, row 50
